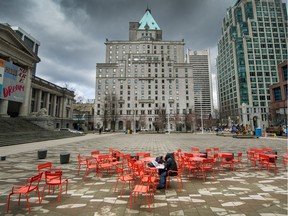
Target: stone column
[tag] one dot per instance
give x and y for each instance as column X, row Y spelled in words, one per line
column 61, row 104
column 23, row 111
column 47, row 102
column 3, row 108
column 38, row 100
column 54, row 101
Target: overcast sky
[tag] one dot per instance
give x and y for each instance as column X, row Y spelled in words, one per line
column 72, row 32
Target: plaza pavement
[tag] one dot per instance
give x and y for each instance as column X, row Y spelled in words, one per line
column 242, row 192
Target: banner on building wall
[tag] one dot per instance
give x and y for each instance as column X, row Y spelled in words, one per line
column 2, row 68
column 14, row 82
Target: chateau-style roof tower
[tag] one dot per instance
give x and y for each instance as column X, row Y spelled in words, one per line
column 145, row 29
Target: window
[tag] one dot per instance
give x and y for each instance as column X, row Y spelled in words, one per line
column 277, row 94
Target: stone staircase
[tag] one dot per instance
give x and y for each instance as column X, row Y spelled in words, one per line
column 15, row 131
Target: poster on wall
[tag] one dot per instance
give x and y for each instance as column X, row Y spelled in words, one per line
column 14, row 82
column 2, row 68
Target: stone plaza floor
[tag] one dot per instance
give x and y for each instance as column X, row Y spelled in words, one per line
column 240, row 192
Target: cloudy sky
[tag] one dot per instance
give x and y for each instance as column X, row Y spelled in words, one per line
column 72, row 32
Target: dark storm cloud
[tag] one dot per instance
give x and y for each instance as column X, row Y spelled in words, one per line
column 72, row 32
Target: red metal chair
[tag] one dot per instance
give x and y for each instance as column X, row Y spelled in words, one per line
column 104, row 162
column 42, row 168
column 94, row 154
column 264, row 160
column 81, row 162
column 227, row 161
column 207, row 166
column 123, row 177
column 142, row 188
column 195, row 150
column 175, row 174
column 55, row 179
column 90, row 164
column 32, row 184
column 285, row 161
column 238, row 160
column 251, row 158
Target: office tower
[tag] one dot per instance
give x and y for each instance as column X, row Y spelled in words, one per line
column 145, row 82
column 200, row 61
column 252, row 44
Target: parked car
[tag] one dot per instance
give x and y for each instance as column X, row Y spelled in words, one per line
column 71, row 130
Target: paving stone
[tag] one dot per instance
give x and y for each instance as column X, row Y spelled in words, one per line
column 241, row 192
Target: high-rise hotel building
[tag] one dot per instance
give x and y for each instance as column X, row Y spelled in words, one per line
column 145, row 81
column 253, row 43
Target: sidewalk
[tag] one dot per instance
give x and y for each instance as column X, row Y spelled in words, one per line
column 242, row 192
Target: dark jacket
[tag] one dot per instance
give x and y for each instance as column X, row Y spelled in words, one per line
column 170, row 163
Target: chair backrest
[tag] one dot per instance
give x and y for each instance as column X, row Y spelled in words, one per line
column 226, row 156
column 187, row 155
column 216, row 149
column 95, row 153
column 208, row 162
column 195, row 149
column 250, row 154
column 104, row 158
column 263, row 158
column 44, row 167
column 146, row 155
column 208, row 150
column 53, row 175
column 33, row 182
column 267, row 149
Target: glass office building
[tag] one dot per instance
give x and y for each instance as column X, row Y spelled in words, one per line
column 252, row 44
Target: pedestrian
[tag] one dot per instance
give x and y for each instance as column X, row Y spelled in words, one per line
column 100, row 130
column 169, row 164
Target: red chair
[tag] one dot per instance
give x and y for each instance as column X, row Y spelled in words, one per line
column 195, row 150
column 175, row 174
column 189, row 165
column 104, row 162
column 209, row 153
column 227, row 161
column 265, row 160
column 251, row 158
column 32, row 184
column 42, row 168
column 238, row 160
column 142, row 188
column 55, row 179
column 207, row 166
column 123, row 177
column 285, row 160
column 94, row 154
column 81, row 162
column 90, row 164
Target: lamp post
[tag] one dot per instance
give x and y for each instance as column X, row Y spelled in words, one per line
column 201, row 110
column 168, row 120
column 134, row 120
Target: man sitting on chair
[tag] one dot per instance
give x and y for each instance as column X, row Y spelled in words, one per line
column 170, row 164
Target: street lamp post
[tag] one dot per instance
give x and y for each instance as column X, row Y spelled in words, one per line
column 168, row 120
column 134, row 120
column 201, row 111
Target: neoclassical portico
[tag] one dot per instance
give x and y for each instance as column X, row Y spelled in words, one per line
column 16, row 63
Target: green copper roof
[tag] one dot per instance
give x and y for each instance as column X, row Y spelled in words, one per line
column 148, row 21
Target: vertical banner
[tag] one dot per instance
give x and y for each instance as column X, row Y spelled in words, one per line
column 2, row 68
column 14, row 82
